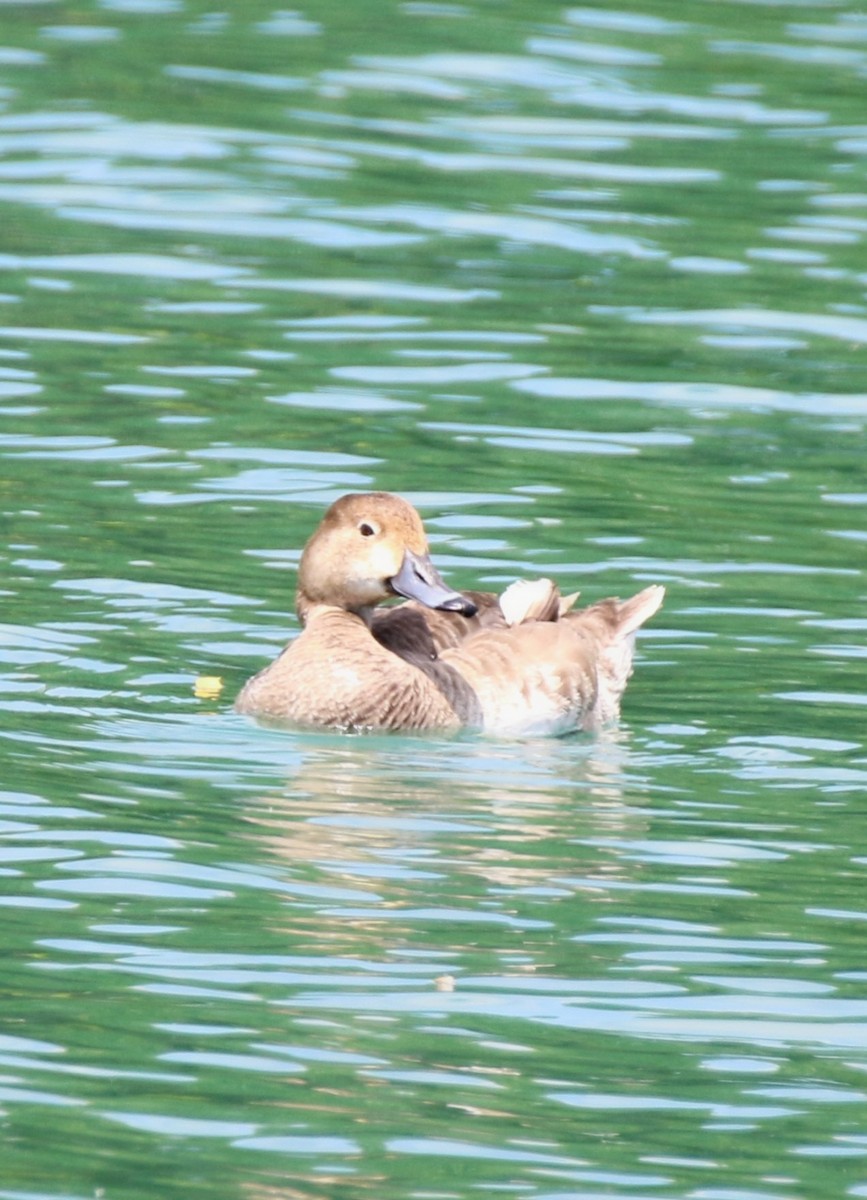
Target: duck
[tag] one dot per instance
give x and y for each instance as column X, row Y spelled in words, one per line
column 521, row 663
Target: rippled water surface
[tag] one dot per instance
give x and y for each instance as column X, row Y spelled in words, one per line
column 588, row 285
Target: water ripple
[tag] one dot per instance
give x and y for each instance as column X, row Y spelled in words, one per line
column 705, row 394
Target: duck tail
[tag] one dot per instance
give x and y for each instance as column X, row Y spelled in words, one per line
column 632, row 613
column 623, row 618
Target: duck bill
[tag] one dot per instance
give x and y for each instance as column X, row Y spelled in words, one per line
column 418, row 579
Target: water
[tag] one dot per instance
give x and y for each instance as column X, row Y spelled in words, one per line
column 588, row 285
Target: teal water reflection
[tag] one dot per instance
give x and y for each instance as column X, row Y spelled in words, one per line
column 605, row 916
column 588, row 286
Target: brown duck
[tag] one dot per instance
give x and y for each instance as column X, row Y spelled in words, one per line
column 522, row 663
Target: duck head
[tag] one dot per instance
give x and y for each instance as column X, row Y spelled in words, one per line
column 370, row 546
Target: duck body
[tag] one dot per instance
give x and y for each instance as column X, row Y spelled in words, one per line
column 518, row 664
column 335, row 674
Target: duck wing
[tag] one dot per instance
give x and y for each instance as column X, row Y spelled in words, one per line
column 544, row 677
column 413, row 632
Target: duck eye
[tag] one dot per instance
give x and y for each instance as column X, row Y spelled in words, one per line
column 366, row 529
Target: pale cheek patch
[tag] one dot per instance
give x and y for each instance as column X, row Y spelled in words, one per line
column 382, row 562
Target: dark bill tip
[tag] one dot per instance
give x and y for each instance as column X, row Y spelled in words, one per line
column 459, row 604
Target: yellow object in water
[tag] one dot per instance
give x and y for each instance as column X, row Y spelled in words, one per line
column 208, row 687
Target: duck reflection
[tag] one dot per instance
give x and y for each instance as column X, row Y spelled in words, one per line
column 379, row 811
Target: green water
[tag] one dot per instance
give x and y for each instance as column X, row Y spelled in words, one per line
column 588, row 285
